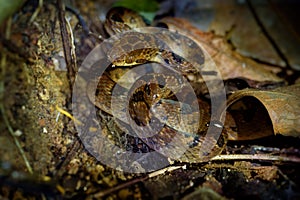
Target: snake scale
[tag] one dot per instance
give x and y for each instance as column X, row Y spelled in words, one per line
column 155, row 99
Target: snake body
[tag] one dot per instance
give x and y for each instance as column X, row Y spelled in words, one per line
column 153, row 98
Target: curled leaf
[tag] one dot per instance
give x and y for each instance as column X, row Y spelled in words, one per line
column 258, row 113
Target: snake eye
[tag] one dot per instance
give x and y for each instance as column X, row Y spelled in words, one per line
column 117, row 18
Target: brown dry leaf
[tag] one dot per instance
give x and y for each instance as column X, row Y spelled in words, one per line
column 238, row 23
column 258, row 113
column 230, row 63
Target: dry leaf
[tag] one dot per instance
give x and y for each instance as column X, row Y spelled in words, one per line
column 230, row 63
column 248, row 39
column 260, row 113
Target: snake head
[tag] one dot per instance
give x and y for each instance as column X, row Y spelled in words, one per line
column 120, row 19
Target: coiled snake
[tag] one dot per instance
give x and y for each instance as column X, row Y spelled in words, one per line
column 161, row 108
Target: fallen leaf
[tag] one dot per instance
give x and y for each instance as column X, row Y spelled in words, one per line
column 241, row 28
column 259, row 113
column 230, row 63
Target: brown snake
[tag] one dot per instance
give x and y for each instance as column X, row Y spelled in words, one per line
column 160, row 95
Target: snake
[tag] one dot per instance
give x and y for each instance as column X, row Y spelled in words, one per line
column 153, row 102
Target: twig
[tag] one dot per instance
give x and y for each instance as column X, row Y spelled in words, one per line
column 66, row 43
column 73, row 48
column 172, row 168
column 134, row 181
column 117, row 188
column 256, row 157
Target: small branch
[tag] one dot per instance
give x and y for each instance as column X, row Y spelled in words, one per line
column 134, row 181
column 66, row 43
column 256, row 157
column 172, row 168
column 73, row 48
column 117, row 188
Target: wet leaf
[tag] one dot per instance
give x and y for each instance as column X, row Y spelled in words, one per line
column 258, row 113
